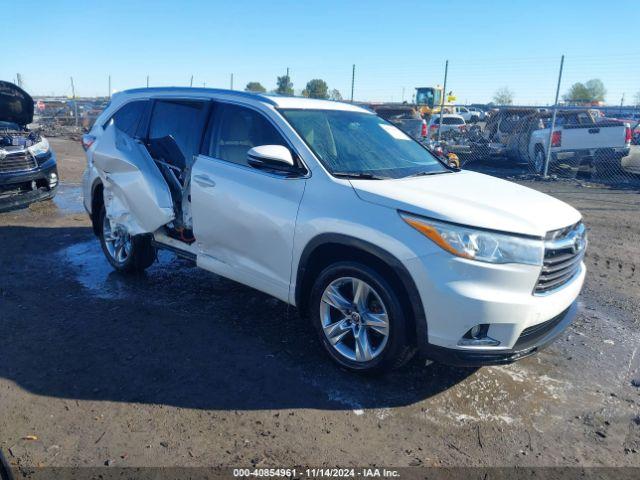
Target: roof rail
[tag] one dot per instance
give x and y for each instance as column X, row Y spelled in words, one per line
column 238, row 93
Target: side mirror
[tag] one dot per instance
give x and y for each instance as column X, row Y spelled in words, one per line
column 271, row 157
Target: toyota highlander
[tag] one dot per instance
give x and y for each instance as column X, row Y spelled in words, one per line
column 330, row 208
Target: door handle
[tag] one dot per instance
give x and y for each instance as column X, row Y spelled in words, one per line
column 204, row 181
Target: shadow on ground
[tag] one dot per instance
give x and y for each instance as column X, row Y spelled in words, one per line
column 176, row 335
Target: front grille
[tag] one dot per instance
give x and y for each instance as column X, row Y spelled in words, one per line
column 563, row 254
column 17, row 162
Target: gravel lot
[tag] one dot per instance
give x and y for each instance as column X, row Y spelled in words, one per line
column 179, row 367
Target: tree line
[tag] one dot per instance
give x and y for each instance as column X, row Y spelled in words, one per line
column 590, row 92
column 316, row 88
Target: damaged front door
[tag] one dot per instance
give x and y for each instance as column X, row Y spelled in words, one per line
column 136, row 194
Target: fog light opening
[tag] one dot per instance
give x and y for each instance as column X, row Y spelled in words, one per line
column 478, row 335
column 53, row 180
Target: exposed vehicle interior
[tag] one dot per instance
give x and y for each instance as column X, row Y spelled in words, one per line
column 175, row 131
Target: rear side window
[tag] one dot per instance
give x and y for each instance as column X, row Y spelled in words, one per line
column 182, row 120
column 240, row 129
column 126, row 119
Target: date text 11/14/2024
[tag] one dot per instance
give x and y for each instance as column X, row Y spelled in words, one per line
column 316, row 473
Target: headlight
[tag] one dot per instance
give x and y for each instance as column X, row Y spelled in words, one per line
column 40, row 148
column 481, row 245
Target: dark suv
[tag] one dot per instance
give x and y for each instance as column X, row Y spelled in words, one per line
column 28, row 170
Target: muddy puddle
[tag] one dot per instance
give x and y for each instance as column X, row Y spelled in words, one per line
column 68, row 199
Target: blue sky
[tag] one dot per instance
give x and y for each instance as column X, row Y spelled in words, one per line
column 395, row 45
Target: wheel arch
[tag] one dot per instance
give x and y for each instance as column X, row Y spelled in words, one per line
column 329, row 248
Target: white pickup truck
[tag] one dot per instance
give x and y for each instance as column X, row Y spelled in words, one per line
column 576, row 137
column 470, row 115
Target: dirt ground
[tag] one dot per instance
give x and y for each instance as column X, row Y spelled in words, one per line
column 179, row 367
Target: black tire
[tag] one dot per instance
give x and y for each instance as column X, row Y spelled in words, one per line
column 142, row 253
column 398, row 349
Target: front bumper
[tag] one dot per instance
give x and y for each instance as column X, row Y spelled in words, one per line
column 527, row 345
column 458, row 294
column 16, row 188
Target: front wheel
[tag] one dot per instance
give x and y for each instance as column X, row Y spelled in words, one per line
column 359, row 318
column 125, row 253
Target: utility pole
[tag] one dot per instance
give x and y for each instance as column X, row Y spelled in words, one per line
column 191, row 81
column 232, row 81
column 287, row 72
column 553, row 121
column 109, row 88
column 402, row 94
column 75, row 103
column 621, row 102
column 353, row 80
column 147, row 81
column 19, row 80
column 444, row 92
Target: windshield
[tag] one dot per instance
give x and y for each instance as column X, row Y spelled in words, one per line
column 356, row 143
column 428, row 96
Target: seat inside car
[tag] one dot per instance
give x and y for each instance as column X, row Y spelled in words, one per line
column 235, row 138
column 172, row 164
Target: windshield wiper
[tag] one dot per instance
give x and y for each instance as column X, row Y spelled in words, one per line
column 363, row 175
column 424, row 174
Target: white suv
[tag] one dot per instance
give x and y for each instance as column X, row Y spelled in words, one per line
column 330, row 208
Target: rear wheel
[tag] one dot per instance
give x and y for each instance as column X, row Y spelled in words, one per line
column 126, row 253
column 359, row 319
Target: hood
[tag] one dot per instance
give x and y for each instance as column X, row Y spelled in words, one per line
column 16, row 105
column 473, row 199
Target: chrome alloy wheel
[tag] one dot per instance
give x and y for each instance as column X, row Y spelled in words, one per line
column 117, row 241
column 354, row 319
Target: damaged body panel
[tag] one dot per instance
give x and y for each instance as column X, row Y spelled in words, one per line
column 28, row 170
column 136, row 195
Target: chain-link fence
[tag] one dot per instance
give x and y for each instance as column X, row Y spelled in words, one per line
column 577, row 118
column 576, row 134
column 589, row 144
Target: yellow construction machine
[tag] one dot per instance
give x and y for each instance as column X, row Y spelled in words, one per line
column 429, row 100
